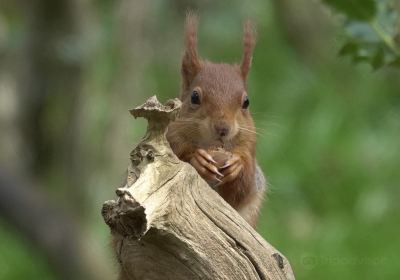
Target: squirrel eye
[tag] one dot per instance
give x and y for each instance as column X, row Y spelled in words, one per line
column 246, row 103
column 195, row 98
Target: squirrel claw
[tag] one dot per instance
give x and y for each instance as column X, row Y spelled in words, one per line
column 218, row 180
column 233, row 160
column 206, row 170
column 205, row 155
column 231, row 169
column 202, row 160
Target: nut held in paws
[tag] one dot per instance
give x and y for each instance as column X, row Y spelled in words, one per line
column 220, row 156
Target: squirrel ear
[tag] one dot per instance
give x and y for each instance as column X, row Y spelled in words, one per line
column 249, row 41
column 191, row 61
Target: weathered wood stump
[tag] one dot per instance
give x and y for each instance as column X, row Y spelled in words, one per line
column 167, row 223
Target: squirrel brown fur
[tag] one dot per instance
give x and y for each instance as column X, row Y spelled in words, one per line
column 215, row 114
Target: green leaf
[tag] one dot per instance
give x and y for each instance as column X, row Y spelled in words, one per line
column 363, row 10
column 375, row 53
column 362, row 31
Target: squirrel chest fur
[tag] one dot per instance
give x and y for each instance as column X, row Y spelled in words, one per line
column 215, row 132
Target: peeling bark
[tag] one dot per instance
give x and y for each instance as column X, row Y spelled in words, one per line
column 167, row 223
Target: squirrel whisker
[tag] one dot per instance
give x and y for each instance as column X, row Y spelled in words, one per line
column 249, row 130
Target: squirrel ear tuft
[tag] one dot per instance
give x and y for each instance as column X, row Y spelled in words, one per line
column 249, row 42
column 191, row 61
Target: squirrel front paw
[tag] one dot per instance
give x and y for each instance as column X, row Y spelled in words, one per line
column 231, row 169
column 205, row 166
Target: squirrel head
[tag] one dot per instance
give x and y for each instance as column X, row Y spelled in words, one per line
column 214, row 95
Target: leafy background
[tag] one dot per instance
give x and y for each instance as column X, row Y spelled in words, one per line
column 325, row 97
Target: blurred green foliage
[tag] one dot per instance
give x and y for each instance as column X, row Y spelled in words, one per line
column 373, row 31
column 362, row 10
column 19, row 259
column 329, row 129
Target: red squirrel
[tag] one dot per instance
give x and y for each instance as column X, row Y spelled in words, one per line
column 215, row 114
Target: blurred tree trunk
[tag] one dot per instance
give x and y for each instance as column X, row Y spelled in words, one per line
column 306, row 25
column 132, row 45
column 50, row 67
column 50, row 86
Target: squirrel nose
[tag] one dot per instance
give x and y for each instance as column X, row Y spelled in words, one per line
column 222, row 129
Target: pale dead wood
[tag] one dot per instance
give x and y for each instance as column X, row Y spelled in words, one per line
column 167, row 223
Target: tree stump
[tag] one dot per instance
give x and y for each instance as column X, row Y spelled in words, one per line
column 167, row 223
